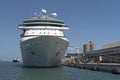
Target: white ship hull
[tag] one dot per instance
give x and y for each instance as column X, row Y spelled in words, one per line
column 43, row 51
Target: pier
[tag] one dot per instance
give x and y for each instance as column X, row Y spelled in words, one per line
column 105, row 67
column 107, row 60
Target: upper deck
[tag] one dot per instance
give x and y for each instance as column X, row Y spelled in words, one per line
column 42, row 21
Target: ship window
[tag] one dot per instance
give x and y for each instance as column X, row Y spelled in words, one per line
column 32, row 32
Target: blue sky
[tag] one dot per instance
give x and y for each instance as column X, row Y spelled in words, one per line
column 89, row 20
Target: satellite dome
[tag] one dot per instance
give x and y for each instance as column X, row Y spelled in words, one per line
column 35, row 14
column 43, row 11
column 54, row 15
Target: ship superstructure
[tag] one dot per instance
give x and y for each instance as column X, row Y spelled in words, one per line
column 43, row 42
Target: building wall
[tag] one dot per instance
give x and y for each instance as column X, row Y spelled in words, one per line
column 88, row 47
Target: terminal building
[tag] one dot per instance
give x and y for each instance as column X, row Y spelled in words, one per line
column 115, row 44
column 109, row 54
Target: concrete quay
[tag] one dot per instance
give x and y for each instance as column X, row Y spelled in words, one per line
column 105, row 67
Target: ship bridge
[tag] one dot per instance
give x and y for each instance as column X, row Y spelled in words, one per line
column 43, row 21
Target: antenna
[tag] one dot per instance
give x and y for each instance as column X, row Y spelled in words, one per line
column 35, row 14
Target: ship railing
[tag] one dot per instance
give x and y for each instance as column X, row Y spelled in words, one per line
column 22, row 35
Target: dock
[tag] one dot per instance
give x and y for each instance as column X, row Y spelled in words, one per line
column 105, row 67
column 106, row 59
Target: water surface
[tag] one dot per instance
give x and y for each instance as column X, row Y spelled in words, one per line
column 15, row 71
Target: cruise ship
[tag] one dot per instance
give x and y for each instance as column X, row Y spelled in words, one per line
column 43, row 43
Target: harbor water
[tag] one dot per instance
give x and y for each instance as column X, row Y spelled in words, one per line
column 15, row 71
